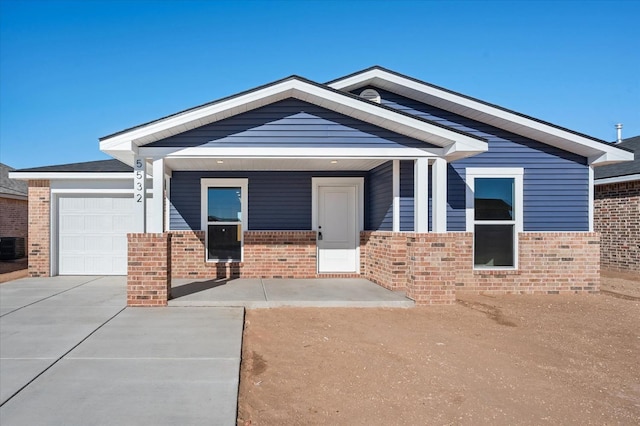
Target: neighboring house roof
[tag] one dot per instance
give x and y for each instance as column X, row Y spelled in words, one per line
column 11, row 188
column 106, row 169
column 622, row 172
column 598, row 152
column 102, row 166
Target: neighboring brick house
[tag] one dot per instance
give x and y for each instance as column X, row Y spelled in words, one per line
column 375, row 175
column 14, row 210
column 617, row 211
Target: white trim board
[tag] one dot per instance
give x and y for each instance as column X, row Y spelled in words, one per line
column 597, row 152
column 617, row 179
column 123, row 145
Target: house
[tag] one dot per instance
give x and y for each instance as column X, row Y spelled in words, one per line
column 617, row 211
column 14, row 212
column 375, row 175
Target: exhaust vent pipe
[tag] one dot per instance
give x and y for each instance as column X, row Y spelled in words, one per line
column 619, row 129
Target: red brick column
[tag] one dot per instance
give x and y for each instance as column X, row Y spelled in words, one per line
column 385, row 258
column 433, row 265
column 39, row 241
column 149, row 269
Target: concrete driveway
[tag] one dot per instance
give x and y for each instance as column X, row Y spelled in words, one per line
column 72, row 354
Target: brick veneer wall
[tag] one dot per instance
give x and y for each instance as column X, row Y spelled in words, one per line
column 617, row 219
column 549, row 263
column 279, row 254
column 440, row 265
column 38, row 249
column 384, row 258
column 14, row 218
column 267, row 254
column 148, row 269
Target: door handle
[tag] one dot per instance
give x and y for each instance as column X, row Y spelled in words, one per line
column 319, row 236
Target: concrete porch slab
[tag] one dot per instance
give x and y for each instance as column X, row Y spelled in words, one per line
column 272, row 293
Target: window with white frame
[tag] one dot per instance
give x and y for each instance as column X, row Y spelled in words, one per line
column 494, row 215
column 224, row 216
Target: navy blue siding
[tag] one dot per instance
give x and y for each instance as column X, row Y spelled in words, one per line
column 379, row 209
column 277, row 200
column 406, row 195
column 555, row 181
column 290, row 123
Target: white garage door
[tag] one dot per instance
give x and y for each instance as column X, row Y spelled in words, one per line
column 92, row 234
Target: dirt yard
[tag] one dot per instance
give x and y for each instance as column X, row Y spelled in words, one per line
column 509, row 360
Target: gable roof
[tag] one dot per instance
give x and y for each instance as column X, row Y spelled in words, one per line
column 597, row 151
column 11, row 188
column 629, row 170
column 458, row 144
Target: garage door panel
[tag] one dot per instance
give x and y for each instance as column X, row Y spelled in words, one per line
column 122, row 223
column 93, row 234
column 71, row 223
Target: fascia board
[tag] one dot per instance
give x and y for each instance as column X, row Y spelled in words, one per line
column 618, row 179
column 14, row 196
column 482, row 112
column 355, row 108
column 68, row 175
column 280, row 152
column 385, row 118
column 202, row 116
column 611, row 157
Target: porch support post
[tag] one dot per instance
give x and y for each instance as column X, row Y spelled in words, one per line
column 156, row 221
column 439, row 195
column 420, row 196
column 396, row 195
column 139, row 193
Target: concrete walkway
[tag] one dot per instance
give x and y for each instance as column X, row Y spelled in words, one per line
column 273, row 293
column 72, row 354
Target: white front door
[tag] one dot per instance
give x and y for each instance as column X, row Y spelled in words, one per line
column 337, row 229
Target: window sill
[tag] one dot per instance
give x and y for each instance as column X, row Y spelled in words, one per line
column 496, row 271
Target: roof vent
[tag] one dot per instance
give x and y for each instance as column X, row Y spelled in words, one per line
column 370, row 95
column 619, row 131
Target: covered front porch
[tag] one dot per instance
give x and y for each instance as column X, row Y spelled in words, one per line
column 274, row 293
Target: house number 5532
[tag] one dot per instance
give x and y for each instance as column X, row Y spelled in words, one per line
column 138, row 180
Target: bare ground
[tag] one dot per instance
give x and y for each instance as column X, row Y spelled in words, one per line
column 505, row 360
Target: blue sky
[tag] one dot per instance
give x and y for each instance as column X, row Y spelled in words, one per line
column 73, row 71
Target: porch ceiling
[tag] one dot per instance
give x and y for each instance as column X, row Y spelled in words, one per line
column 273, row 164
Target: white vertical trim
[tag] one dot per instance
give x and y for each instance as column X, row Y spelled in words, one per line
column 156, row 222
column 439, row 195
column 421, row 194
column 54, row 241
column 139, row 191
column 396, row 195
column 591, row 197
column 167, row 205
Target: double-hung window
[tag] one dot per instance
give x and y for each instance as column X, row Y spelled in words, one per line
column 494, row 215
column 224, row 216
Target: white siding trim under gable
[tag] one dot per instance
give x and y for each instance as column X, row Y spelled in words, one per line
column 596, row 152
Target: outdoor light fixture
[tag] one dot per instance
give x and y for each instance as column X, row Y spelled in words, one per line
column 334, row 161
column 220, row 161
